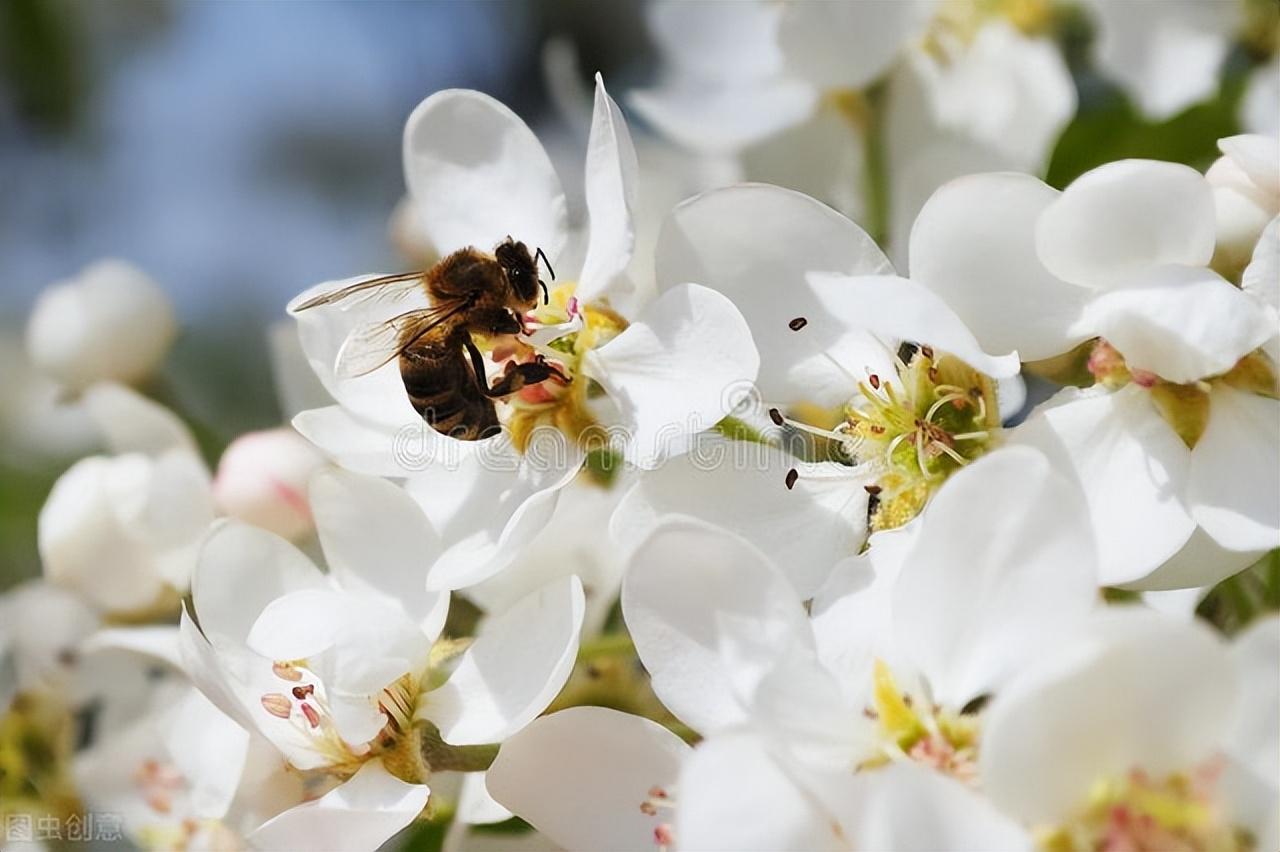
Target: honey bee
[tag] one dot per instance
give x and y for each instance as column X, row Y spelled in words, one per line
column 442, row 368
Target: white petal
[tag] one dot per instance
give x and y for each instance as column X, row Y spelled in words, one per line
column 848, row 45
column 361, row 813
column 1030, row 577
column 367, row 447
column 755, row 243
column 741, row 486
column 158, row 641
column 974, row 245
column 897, row 309
column 683, row 565
column 1254, row 737
column 210, row 749
column 822, row 157
column 1121, row 218
column 605, row 763
column 1142, row 691
column 377, row 397
column 724, row 118
column 1168, row 54
column 1179, row 322
column 241, row 569
column 714, row 41
column 1200, row 564
column 262, row 480
column 478, row 174
column 734, row 796
column 1132, row 468
column 377, row 541
column 1261, row 279
column 908, row 808
column 1232, row 485
column 132, row 423
column 611, row 176
column 297, row 386
column 679, row 368
column 1256, row 155
column 1260, row 106
column 515, row 667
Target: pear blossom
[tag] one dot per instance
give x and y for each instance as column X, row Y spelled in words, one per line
column 829, row 318
column 1148, row 733
column 122, row 530
column 262, row 479
column 903, row 645
column 345, row 673
column 783, row 90
column 667, row 368
column 110, row 322
column 1246, row 196
column 1178, row 433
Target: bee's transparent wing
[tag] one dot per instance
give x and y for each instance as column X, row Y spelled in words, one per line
column 370, row 346
column 389, row 287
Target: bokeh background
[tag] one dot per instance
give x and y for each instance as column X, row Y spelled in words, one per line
column 242, row 151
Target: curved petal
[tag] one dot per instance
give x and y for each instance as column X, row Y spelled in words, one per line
column 723, row 118
column 606, row 763
column 848, row 45
column 1028, row 577
column 741, row 486
column 1261, row 280
column 1179, row 322
column 1142, row 691
column 1256, row 154
column 712, row 41
column 1254, row 737
column 680, row 567
column 378, row 397
column 241, row 569
column 734, row 796
column 131, row 423
column 679, row 368
column 897, row 309
column 1121, row 218
column 361, row 813
column 755, row 243
column 1200, row 564
column 377, row 542
column 477, row 174
column 375, row 449
column 908, row 808
column 974, row 244
column 1232, row 486
column 1132, row 468
column 160, row 642
column 612, row 171
column 511, row 672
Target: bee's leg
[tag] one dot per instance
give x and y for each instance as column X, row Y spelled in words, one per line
column 516, row 377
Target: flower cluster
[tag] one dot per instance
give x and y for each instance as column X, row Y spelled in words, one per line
column 945, row 532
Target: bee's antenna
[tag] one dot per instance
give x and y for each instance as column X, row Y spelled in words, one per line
column 546, row 297
column 543, row 255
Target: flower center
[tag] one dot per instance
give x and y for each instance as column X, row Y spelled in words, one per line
column 553, row 403
column 1185, row 407
column 1177, row 813
column 933, row 736
column 909, row 432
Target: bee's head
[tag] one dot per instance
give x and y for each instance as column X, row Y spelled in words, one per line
column 521, row 270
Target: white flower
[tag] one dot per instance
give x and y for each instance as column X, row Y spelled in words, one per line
column 109, row 323
column 41, row 626
column 262, row 480
column 668, row 368
column 828, row 318
column 902, row 644
column 122, row 530
column 1167, row 55
column 178, row 771
column 1121, row 255
column 1246, row 196
column 343, row 673
column 1149, row 733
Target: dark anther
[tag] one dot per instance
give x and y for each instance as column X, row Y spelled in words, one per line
column 875, row 381
column 926, row 351
column 906, row 351
column 792, row 476
column 542, row 255
column 797, row 323
column 776, row 416
column 301, row 692
column 872, row 489
column 975, row 706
